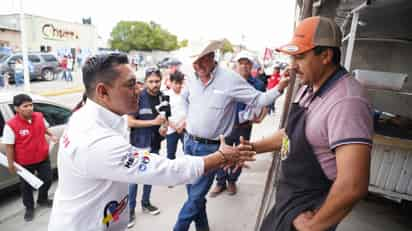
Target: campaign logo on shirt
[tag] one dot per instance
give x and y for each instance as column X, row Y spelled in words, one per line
column 284, row 150
column 24, row 132
column 130, row 159
column 113, row 210
column 145, row 161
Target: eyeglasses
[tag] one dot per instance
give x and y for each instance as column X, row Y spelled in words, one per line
column 152, row 70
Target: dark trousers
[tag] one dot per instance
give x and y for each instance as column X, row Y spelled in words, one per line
column 172, row 140
column 230, row 175
column 44, row 172
column 147, row 189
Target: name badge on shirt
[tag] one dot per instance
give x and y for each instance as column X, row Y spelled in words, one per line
column 284, row 150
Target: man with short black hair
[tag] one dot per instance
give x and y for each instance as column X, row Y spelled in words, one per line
column 177, row 122
column 26, row 144
column 96, row 161
column 146, row 133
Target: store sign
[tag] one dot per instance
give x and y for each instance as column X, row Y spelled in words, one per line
column 51, row 32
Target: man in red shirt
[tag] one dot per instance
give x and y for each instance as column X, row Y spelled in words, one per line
column 275, row 78
column 26, row 144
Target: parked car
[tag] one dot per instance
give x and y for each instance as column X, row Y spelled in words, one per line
column 56, row 116
column 163, row 63
column 44, row 66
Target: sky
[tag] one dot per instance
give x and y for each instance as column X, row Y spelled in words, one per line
column 257, row 24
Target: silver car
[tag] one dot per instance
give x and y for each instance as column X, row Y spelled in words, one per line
column 56, row 116
column 43, row 66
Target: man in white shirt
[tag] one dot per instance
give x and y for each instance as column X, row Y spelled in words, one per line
column 177, row 121
column 96, row 162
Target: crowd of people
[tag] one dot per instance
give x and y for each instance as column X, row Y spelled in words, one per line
column 112, row 141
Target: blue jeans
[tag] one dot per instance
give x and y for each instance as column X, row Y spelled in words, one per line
column 147, row 189
column 67, row 75
column 172, row 140
column 19, row 78
column 194, row 209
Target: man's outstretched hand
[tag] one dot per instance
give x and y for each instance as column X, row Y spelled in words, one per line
column 239, row 154
column 234, row 155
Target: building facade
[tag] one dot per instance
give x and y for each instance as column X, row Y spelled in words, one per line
column 48, row 35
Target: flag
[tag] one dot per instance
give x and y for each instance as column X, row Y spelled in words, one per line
column 268, row 54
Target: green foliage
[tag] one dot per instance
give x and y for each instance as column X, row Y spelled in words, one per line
column 184, row 43
column 227, row 47
column 136, row 35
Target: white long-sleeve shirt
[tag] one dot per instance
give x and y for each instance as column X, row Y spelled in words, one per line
column 96, row 163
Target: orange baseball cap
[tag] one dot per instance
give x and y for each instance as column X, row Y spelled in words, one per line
column 312, row 32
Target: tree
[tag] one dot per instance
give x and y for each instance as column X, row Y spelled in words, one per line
column 227, row 46
column 136, row 35
column 183, row 43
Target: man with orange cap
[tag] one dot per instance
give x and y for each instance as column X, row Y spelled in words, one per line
column 325, row 146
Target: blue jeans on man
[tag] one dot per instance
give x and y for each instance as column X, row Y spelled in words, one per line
column 18, row 78
column 67, row 75
column 147, row 189
column 172, row 140
column 194, row 209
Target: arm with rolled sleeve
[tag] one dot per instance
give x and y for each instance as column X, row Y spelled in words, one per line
column 243, row 92
column 112, row 158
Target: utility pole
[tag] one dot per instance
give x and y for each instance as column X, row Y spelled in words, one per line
column 24, row 50
column 242, row 41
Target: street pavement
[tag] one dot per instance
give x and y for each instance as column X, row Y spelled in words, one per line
column 226, row 213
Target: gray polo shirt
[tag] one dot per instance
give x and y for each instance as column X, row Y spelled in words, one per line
column 211, row 108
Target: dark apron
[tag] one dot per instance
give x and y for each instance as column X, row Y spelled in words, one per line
column 302, row 184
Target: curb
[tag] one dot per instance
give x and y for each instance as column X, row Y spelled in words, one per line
column 62, row 92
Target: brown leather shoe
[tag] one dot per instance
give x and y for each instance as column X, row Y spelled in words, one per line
column 216, row 191
column 231, row 188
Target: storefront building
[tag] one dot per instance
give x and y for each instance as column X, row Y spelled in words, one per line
column 48, row 35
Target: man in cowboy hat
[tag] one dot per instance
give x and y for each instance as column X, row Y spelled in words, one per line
column 226, row 178
column 325, row 147
column 211, row 94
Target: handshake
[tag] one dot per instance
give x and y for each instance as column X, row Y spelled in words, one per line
column 230, row 156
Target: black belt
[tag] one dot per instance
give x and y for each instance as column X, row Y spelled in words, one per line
column 203, row 140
